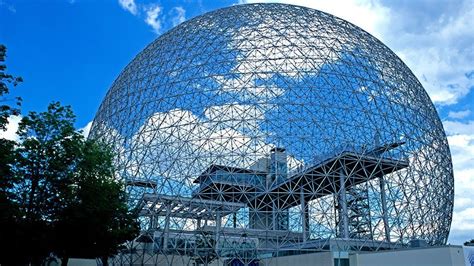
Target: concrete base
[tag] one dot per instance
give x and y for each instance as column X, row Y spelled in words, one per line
column 314, row 259
column 429, row 256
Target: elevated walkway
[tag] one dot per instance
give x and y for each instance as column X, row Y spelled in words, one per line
column 268, row 195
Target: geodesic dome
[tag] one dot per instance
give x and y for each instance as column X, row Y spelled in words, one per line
column 271, row 128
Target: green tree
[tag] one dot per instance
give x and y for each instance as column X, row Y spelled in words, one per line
column 98, row 218
column 70, row 203
column 48, row 150
column 57, row 190
column 9, row 212
column 7, row 81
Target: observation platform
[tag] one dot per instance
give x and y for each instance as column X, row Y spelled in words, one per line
column 346, row 169
column 229, row 184
column 343, row 244
column 267, row 195
column 184, row 207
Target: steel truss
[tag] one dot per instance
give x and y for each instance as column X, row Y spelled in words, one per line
column 265, row 130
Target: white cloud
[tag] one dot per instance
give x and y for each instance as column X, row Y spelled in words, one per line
column 367, row 14
column 462, row 150
column 12, row 127
column 152, row 17
column 14, row 121
column 459, row 114
column 433, row 38
column 456, row 128
column 435, row 41
column 152, row 14
column 236, row 116
column 437, row 47
column 440, row 51
column 179, row 137
column 180, row 15
column 180, row 130
column 461, row 142
column 266, row 42
column 129, row 5
column 86, row 129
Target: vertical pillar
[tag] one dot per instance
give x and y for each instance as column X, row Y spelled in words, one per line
column 234, row 217
column 199, row 223
column 167, row 226
column 304, row 215
column 384, row 210
column 343, row 203
column 218, row 228
column 154, row 221
column 274, row 216
column 131, row 254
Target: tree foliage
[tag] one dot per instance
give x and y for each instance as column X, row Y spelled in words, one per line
column 98, row 217
column 7, row 81
column 49, row 150
column 66, row 190
column 47, row 154
column 9, row 214
column 7, row 154
column 58, row 194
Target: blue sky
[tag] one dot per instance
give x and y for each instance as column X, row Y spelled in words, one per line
column 72, row 50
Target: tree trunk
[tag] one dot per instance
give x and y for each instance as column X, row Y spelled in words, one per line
column 105, row 261
column 64, row 261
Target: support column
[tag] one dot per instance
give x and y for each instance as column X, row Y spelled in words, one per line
column 199, row 223
column 304, row 215
column 384, row 210
column 167, row 226
column 234, row 217
column 343, row 202
column 274, row 216
column 218, row 228
column 152, row 222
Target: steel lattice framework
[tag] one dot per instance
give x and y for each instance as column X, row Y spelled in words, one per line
column 263, row 130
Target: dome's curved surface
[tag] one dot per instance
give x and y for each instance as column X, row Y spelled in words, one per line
column 270, row 92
